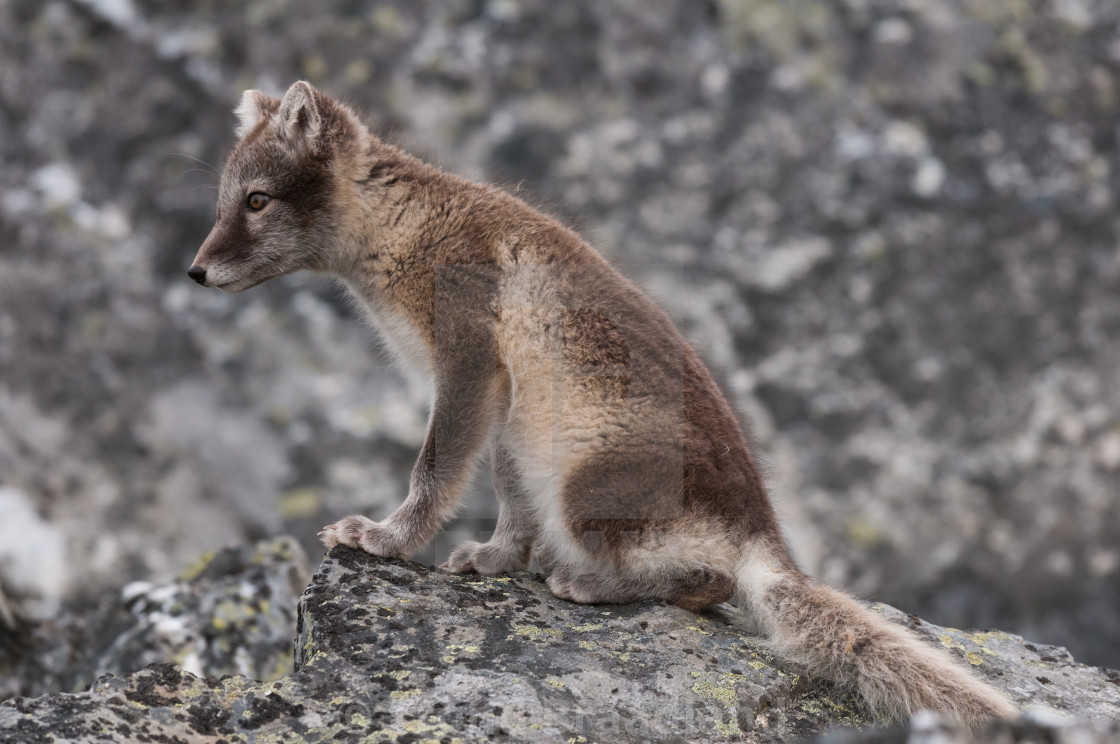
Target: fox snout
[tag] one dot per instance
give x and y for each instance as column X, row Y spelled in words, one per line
column 204, row 260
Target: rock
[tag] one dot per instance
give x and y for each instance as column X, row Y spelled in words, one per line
column 231, row 612
column 928, row 728
column 401, row 652
column 894, row 222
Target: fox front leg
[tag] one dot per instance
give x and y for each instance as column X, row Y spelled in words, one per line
column 456, row 433
column 463, row 414
column 460, row 420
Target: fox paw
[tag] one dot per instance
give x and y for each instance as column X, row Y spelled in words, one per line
column 486, row 558
column 564, row 583
column 364, row 534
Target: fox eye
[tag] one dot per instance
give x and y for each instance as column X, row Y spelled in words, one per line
column 257, row 200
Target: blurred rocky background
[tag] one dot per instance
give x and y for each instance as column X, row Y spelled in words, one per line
column 890, row 226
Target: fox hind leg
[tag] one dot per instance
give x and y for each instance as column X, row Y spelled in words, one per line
column 690, row 588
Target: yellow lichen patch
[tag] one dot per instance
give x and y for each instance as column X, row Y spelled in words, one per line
column 315, row 68
column 838, row 713
column 587, row 645
column 420, row 727
column 723, row 692
column 837, row 708
column 283, row 666
column 404, row 694
column 388, row 20
column 982, row 639
column 725, row 695
column 190, row 693
column 455, row 650
column 1016, row 45
column 400, row 674
column 358, row 719
column 280, row 548
column 811, row 706
column 359, row 71
column 399, row 651
column 487, row 580
column 308, row 645
column 555, row 683
column 194, row 570
column 587, row 627
column 436, row 732
column 700, row 630
column 235, row 688
column 534, row 633
column 300, row 503
column 949, row 642
column 863, row 533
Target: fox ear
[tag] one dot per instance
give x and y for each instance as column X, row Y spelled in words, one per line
column 299, row 115
column 254, row 107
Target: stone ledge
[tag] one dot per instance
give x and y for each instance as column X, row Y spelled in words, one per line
column 393, row 651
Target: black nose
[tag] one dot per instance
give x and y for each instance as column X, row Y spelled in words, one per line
column 197, row 273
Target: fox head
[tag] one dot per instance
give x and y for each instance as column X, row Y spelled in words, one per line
column 281, row 188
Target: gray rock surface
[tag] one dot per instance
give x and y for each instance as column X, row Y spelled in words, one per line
column 229, row 612
column 928, row 729
column 392, row 651
column 890, row 225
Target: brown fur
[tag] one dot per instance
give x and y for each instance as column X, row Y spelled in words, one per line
column 617, row 461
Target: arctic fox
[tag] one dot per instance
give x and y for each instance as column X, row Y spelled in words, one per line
column 617, row 461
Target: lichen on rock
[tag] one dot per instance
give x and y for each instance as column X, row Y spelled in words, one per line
column 229, row 612
column 387, row 650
